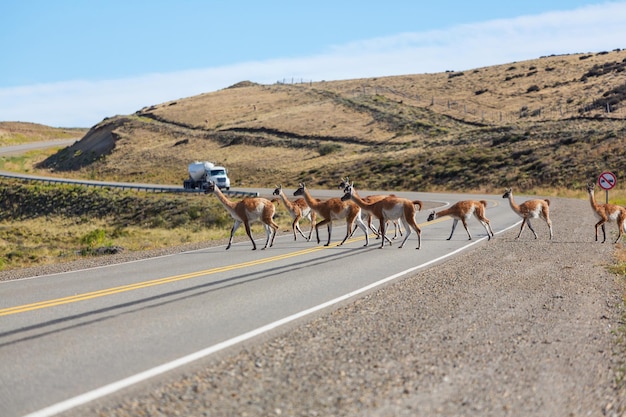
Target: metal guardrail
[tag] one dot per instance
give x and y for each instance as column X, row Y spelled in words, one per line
column 122, row 185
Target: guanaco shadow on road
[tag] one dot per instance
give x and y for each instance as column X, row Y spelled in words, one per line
column 170, row 297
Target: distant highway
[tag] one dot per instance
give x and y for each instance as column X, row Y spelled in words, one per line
column 31, row 146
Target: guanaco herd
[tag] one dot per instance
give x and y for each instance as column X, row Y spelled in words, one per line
column 388, row 208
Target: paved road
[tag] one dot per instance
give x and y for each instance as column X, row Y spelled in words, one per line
column 69, row 338
column 25, row 147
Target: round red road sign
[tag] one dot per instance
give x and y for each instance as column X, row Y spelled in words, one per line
column 607, row 180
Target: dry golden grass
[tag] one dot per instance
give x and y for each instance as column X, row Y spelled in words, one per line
column 42, row 241
column 297, row 111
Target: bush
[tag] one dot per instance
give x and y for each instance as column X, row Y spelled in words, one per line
column 94, row 238
column 328, row 148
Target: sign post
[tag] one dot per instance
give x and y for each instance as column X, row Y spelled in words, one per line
column 606, row 181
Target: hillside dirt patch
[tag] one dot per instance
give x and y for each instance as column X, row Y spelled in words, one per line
column 514, row 327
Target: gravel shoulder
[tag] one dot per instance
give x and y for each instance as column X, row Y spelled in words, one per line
column 512, row 328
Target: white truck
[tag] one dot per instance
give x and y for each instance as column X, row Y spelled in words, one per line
column 200, row 173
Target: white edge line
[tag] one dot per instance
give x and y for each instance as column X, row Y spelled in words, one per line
column 166, row 367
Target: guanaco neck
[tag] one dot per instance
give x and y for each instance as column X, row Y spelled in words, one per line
column 312, row 202
column 592, row 199
column 223, row 199
column 442, row 213
column 514, row 206
column 286, row 201
column 359, row 201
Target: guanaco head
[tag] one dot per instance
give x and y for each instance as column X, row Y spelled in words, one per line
column 209, row 188
column 507, row 193
column 347, row 192
column 278, row 189
column 431, row 216
column 300, row 190
column 590, row 187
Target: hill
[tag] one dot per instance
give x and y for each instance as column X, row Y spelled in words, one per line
column 555, row 121
column 12, row 133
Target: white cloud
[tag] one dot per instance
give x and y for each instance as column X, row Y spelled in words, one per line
column 82, row 103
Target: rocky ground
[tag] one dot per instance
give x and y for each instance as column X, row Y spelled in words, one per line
column 512, row 328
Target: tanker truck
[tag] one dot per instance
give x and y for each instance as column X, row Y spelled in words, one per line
column 200, row 173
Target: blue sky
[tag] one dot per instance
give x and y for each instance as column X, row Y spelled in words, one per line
column 73, row 63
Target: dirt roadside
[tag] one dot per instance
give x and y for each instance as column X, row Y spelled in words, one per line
column 513, row 328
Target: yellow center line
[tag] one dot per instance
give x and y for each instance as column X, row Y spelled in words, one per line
column 145, row 284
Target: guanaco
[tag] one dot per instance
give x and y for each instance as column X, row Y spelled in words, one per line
column 390, row 208
column 607, row 213
column 333, row 209
column 248, row 210
column 298, row 209
column 530, row 209
column 366, row 216
column 463, row 210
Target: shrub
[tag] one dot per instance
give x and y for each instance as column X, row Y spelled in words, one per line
column 94, row 238
column 328, row 148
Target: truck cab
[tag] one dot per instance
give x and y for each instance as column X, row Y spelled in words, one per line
column 219, row 175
